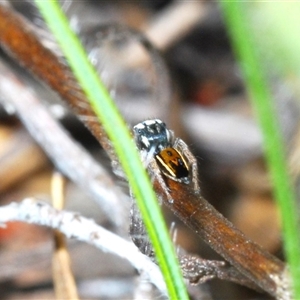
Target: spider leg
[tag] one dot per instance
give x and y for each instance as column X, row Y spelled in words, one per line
column 183, row 148
column 138, row 231
column 155, row 172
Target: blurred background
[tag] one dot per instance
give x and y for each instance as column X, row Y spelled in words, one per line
column 192, row 81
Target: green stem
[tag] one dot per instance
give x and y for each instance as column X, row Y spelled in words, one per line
column 121, row 139
column 242, row 39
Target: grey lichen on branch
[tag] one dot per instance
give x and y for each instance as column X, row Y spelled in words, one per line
column 75, row 226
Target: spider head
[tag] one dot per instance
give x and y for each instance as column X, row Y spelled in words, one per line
column 152, row 136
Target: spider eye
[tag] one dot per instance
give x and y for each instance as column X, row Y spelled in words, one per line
column 172, row 164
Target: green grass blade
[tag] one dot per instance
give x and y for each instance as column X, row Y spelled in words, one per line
column 118, row 133
column 243, row 43
column 278, row 33
column 276, row 26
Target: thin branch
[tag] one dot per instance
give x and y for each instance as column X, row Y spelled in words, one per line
column 63, row 278
column 19, row 40
column 68, row 156
column 268, row 272
column 77, row 227
column 197, row 271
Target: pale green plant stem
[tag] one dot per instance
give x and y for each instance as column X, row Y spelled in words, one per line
column 260, row 95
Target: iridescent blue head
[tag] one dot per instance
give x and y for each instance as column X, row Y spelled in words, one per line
column 152, row 136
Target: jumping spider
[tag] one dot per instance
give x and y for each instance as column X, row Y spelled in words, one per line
column 162, row 153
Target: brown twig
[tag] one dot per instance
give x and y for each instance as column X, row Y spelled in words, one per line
column 18, row 39
column 250, row 259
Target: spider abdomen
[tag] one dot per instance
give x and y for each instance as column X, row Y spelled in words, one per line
column 172, row 164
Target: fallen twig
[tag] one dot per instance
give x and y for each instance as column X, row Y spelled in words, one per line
column 80, row 228
column 18, row 38
column 68, row 156
column 268, row 272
